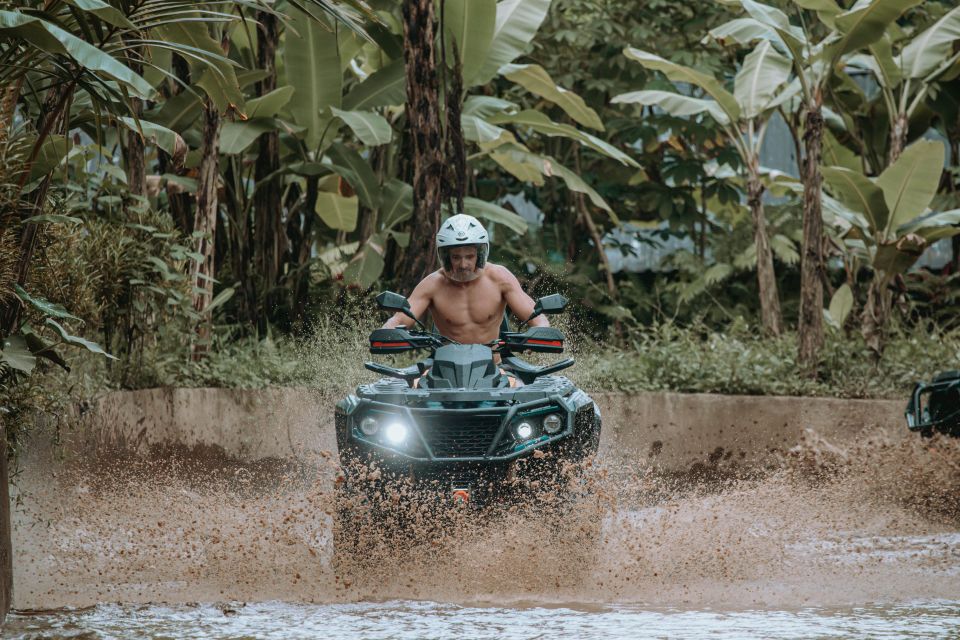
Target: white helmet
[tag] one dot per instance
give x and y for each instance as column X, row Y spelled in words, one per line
column 460, row 230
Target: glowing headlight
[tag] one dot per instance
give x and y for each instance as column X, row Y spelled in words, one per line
column 369, row 426
column 523, row 430
column 552, row 424
column 396, row 433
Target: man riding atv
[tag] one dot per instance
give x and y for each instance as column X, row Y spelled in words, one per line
column 467, row 295
column 457, row 422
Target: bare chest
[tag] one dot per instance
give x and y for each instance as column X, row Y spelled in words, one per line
column 477, row 307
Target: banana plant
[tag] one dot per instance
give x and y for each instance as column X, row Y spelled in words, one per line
column 887, row 223
column 814, row 61
column 909, row 77
column 761, row 85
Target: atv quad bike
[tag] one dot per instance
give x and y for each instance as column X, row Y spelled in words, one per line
column 454, row 423
column 935, row 406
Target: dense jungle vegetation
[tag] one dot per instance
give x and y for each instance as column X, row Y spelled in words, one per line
column 207, row 193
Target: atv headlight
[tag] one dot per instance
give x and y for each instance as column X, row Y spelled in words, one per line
column 552, row 424
column 523, row 430
column 369, row 426
column 396, row 433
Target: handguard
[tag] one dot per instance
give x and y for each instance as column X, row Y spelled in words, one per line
column 537, row 339
column 397, row 340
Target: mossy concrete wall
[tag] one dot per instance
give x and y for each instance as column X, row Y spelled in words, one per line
column 676, row 430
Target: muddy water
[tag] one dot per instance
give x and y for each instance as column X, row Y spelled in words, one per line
column 828, row 543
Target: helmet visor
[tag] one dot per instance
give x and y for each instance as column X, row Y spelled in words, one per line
column 463, row 263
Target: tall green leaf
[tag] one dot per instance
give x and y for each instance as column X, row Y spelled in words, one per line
column 471, row 24
column 311, row 58
column 17, row 355
column 385, row 88
column 235, row 137
column 487, row 136
column 859, row 193
column 103, row 11
column 864, row 24
column 269, row 105
column 517, row 23
column 763, row 72
column 336, row 211
column 179, row 112
column 680, row 73
column 52, row 39
column 77, row 341
column 494, row 213
column 486, row 106
column 933, row 226
column 743, row 31
column 367, row 264
column 43, row 305
column 910, row 183
column 371, row 128
column 536, row 80
column 840, row 305
column 357, row 171
column 153, row 133
column 397, row 203
column 928, row 50
column 551, row 168
column 214, row 73
column 674, row 103
column 541, row 123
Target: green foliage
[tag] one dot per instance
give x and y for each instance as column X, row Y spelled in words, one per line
column 739, row 361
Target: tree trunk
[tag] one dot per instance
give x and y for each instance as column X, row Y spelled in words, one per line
column 205, row 221
column 52, row 121
column 8, row 104
column 423, row 120
column 133, row 149
column 873, row 320
column 269, row 240
column 239, row 240
column 181, row 204
column 811, row 262
column 300, row 248
column 766, row 276
column 898, row 138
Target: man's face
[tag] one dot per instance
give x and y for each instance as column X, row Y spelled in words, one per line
column 463, row 263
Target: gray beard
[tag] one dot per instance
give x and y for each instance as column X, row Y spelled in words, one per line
column 463, row 276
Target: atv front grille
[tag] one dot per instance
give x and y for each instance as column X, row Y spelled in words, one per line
column 468, row 435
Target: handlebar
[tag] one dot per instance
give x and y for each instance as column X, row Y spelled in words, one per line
column 399, row 339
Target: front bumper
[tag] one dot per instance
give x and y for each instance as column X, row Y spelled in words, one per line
column 443, row 436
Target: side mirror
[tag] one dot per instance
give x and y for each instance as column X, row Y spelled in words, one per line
column 393, row 302
column 549, row 305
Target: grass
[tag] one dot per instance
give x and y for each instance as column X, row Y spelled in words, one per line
column 660, row 358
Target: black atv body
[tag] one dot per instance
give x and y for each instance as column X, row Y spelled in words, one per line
column 934, row 407
column 454, row 424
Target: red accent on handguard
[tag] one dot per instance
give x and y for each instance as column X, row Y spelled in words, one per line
column 546, row 343
column 387, row 345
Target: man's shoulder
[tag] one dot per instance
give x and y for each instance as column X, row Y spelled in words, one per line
column 500, row 274
column 430, row 281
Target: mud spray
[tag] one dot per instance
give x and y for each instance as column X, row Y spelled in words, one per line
column 823, row 526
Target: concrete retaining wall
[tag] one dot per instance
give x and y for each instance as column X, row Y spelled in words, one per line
column 679, row 430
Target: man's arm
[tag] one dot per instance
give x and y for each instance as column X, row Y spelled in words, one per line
column 517, row 299
column 419, row 303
